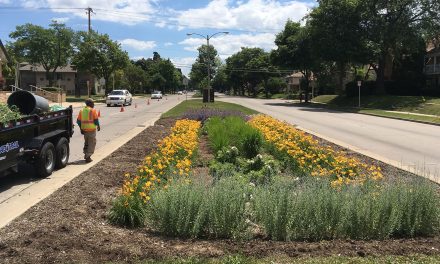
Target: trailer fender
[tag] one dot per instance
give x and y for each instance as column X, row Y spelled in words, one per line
column 38, row 142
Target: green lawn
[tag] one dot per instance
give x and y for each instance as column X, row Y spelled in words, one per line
column 312, row 260
column 380, row 105
column 197, row 104
column 97, row 98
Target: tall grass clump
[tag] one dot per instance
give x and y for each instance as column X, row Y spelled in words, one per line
column 128, row 211
column 315, row 211
column 233, row 131
column 226, row 208
column 193, row 210
column 176, row 211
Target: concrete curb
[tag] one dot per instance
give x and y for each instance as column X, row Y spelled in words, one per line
column 21, row 202
column 402, row 119
column 389, row 117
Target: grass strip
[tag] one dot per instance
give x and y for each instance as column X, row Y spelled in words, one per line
column 187, row 105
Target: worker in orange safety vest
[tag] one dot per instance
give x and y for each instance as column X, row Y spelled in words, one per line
column 88, row 122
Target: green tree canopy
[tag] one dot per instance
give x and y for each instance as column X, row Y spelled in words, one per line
column 199, row 70
column 99, row 55
column 51, row 47
column 295, row 51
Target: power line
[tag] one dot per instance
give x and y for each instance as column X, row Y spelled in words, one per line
column 144, row 16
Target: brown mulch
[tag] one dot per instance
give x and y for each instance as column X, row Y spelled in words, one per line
column 71, row 225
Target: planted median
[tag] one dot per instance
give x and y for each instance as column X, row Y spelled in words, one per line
column 268, row 179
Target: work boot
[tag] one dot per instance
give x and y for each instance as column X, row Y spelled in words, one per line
column 88, row 160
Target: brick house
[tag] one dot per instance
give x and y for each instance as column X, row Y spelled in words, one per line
column 67, row 78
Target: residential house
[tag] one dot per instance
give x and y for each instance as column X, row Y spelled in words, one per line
column 66, row 78
column 3, row 61
column 432, row 69
column 294, row 82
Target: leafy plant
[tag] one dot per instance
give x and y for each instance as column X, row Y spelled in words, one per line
column 128, row 211
column 9, row 113
column 228, row 154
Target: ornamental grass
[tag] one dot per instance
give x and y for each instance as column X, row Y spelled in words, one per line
column 173, row 159
column 308, row 157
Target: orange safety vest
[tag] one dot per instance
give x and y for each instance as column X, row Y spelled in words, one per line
column 87, row 117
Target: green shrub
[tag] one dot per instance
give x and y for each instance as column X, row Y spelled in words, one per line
column 228, row 154
column 273, row 208
column 128, row 211
column 225, row 208
column 176, row 210
column 252, row 140
column 219, row 170
column 191, row 210
column 9, row 113
column 316, row 211
column 233, row 131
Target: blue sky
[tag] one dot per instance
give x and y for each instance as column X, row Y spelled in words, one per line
column 144, row 26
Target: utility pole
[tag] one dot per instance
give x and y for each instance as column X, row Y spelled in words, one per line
column 209, row 70
column 208, row 58
column 89, row 10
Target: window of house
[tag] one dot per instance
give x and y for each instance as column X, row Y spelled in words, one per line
column 41, row 79
column 68, row 79
column 60, row 76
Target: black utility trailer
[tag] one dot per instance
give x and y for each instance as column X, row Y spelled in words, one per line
column 40, row 139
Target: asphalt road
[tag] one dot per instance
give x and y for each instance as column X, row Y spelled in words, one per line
column 408, row 145
column 114, row 124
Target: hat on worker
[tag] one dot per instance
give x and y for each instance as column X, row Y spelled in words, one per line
column 89, row 102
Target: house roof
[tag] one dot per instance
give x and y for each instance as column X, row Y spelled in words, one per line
column 3, row 50
column 39, row 68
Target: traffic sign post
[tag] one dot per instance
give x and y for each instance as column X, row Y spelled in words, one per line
column 359, row 83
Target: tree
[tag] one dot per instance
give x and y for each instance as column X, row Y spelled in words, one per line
column 52, row 48
column 337, row 37
column 248, row 68
column 99, row 55
column 135, row 76
column 199, row 70
column 161, row 74
column 295, row 51
column 220, row 81
column 390, row 27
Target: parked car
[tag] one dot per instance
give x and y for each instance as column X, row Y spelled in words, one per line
column 179, row 92
column 119, row 97
column 156, row 95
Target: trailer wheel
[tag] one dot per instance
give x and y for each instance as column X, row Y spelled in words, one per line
column 62, row 151
column 46, row 160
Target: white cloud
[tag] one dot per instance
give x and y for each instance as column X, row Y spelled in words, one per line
column 128, row 12
column 226, row 45
column 135, row 58
column 167, row 44
column 61, row 19
column 4, row 1
column 184, row 64
column 252, row 15
column 138, row 44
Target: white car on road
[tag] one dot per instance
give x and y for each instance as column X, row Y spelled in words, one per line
column 156, row 95
column 119, row 97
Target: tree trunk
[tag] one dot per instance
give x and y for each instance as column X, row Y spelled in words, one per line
column 341, row 76
column 49, row 77
column 380, row 77
column 266, row 91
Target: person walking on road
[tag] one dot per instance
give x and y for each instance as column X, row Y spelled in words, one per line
column 88, row 122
